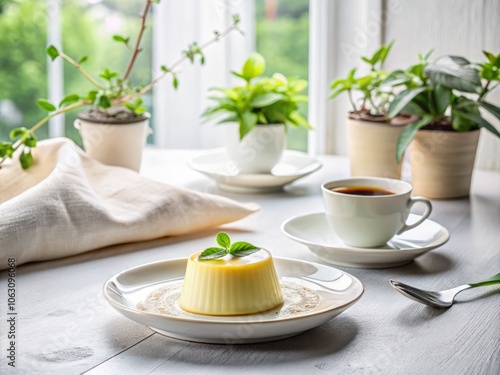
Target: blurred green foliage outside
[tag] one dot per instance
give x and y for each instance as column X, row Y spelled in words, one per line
column 87, row 29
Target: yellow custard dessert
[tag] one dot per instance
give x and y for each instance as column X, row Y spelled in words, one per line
column 231, row 285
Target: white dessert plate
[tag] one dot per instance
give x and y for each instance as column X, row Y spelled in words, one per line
column 335, row 291
column 314, row 231
column 217, row 165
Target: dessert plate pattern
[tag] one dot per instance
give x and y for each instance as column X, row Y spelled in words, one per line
column 127, row 291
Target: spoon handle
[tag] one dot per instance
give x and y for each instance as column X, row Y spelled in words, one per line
column 491, row 281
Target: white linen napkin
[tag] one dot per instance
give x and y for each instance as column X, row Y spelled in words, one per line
column 68, row 203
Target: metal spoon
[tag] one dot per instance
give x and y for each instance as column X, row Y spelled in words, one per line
column 443, row 298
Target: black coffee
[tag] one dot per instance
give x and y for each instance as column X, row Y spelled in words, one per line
column 362, row 190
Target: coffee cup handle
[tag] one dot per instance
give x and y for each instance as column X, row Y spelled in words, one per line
column 426, row 214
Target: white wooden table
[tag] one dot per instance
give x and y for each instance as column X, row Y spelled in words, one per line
column 66, row 327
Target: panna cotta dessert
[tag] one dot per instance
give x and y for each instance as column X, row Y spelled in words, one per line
column 229, row 284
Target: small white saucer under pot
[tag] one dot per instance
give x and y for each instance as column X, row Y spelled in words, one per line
column 314, row 231
column 217, row 165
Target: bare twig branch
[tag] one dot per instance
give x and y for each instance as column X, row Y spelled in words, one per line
column 137, row 48
column 80, row 69
column 175, row 65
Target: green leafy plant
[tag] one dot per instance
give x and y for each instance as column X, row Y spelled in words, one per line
column 237, row 249
column 447, row 95
column 110, row 89
column 375, row 96
column 262, row 100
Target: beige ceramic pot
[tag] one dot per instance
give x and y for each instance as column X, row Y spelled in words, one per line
column 442, row 163
column 118, row 144
column 372, row 148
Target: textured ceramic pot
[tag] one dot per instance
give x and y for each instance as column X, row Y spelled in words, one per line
column 259, row 151
column 442, row 163
column 372, row 148
column 119, row 144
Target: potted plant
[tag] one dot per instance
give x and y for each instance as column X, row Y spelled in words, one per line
column 257, row 114
column 115, row 128
column 446, row 99
column 372, row 135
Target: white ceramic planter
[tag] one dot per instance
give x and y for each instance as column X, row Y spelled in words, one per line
column 259, row 151
column 442, row 163
column 115, row 144
column 372, row 148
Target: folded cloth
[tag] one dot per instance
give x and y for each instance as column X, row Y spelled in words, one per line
column 67, row 203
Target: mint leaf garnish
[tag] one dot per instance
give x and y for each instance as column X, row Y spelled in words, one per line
column 212, row 253
column 223, row 240
column 237, row 249
column 242, row 249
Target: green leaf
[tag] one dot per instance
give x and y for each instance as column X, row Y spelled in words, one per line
column 104, row 102
column 175, row 82
column 212, row 253
column 493, row 109
column 408, row 134
column 248, row 120
column 230, row 118
column 300, row 98
column 480, row 121
column 164, row 69
column 242, row 249
column 130, row 106
column 489, row 56
column 30, row 141
column 121, row 39
column 108, row 75
column 266, row 99
column 223, row 240
column 462, row 124
column 52, row 52
column 45, row 104
column 254, row 66
column 441, row 97
column 238, row 75
column 300, row 120
column 428, row 54
column 396, row 78
column 83, row 59
column 385, row 51
column 6, row 149
column 26, row 159
column 92, row 95
column 69, row 100
column 18, row 133
column 403, row 99
column 455, row 73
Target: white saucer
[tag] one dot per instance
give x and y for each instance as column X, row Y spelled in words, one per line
column 314, row 231
column 337, row 291
column 217, row 165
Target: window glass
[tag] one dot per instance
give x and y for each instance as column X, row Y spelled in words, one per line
column 23, row 69
column 282, row 29
column 88, row 30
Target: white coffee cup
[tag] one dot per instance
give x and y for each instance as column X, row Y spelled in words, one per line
column 370, row 221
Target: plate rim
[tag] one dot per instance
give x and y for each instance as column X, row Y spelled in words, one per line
column 193, row 165
column 360, row 249
column 324, row 311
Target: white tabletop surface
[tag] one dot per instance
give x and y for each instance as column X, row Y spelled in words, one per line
column 66, row 327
